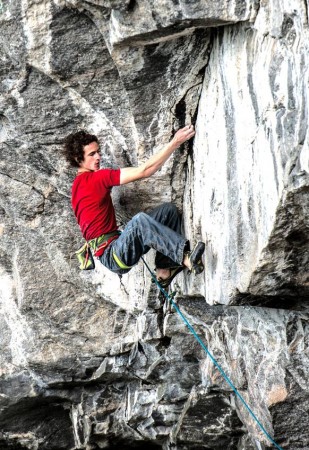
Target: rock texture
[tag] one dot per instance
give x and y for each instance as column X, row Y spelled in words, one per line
column 90, row 361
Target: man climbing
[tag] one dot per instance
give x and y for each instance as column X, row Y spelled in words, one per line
column 159, row 229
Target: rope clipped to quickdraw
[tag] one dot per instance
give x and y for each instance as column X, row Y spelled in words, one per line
column 169, row 297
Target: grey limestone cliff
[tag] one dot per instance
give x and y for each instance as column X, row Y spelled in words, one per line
column 88, row 360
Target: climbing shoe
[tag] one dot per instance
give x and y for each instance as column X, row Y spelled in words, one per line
column 173, row 272
column 195, row 258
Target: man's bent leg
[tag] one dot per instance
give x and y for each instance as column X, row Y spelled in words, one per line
column 141, row 234
column 168, row 215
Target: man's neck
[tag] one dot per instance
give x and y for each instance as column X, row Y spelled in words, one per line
column 82, row 170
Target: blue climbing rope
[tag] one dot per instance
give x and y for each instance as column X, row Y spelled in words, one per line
column 227, row 379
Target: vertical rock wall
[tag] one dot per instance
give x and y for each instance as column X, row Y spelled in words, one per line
column 88, row 360
column 252, row 136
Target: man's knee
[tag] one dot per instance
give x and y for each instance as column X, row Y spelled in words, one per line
column 169, row 209
column 170, row 206
column 141, row 218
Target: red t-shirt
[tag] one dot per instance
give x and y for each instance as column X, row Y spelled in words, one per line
column 92, row 203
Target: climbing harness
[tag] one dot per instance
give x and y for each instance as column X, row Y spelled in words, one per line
column 169, row 297
column 119, row 263
column 98, row 245
column 85, row 257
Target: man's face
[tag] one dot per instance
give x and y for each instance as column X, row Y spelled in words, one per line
column 92, row 157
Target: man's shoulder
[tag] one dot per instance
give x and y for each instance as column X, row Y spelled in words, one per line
column 106, row 171
column 105, row 175
column 110, row 176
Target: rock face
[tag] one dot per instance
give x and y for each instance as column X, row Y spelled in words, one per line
column 91, row 361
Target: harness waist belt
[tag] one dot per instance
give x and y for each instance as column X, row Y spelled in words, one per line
column 100, row 243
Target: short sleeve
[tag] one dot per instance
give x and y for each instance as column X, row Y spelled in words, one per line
column 109, row 177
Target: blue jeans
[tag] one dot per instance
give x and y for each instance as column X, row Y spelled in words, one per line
column 159, row 229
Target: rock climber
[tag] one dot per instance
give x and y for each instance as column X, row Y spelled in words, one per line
column 159, row 229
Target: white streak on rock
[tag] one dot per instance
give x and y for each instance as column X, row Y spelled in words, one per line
column 18, row 281
column 20, row 333
column 36, row 21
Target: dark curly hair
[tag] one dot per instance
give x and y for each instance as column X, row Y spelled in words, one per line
column 74, row 143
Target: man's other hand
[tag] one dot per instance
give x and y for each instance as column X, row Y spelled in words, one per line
column 183, row 135
column 156, row 161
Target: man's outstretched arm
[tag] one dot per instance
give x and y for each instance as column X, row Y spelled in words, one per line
column 155, row 162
